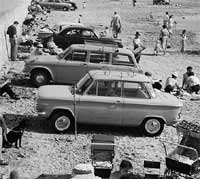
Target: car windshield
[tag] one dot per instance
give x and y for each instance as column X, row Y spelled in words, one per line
column 64, row 53
column 83, row 84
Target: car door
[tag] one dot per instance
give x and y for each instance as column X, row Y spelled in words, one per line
column 97, row 106
column 72, row 67
column 67, row 37
column 98, row 60
column 136, row 101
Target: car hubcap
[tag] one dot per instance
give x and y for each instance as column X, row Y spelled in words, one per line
column 152, row 126
column 40, row 78
column 62, row 123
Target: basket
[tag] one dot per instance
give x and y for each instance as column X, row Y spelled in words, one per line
column 180, row 167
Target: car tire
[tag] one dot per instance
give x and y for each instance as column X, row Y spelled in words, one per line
column 152, row 127
column 65, row 9
column 62, row 122
column 40, row 78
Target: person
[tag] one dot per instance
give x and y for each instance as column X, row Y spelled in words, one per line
column 25, row 40
column 14, row 174
column 193, row 83
column 116, row 24
column 12, row 32
column 164, row 35
column 79, row 18
column 3, row 137
column 185, row 77
column 172, row 84
column 124, row 168
column 84, row 4
column 156, row 84
column 170, row 25
column 134, row 3
column 183, row 40
column 53, row 48
column 131, row 176
column 36, row 49
column 106, row 32
column 166, row 19
column 158, row 47
column 138, row 47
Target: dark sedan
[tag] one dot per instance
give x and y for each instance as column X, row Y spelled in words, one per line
column 80, row 35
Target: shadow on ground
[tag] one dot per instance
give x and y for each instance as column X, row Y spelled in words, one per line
column 40, row 125
column 47, row 176
column 192, row 52
column 21, row 81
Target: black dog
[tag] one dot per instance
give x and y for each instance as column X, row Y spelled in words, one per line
column 16, row 133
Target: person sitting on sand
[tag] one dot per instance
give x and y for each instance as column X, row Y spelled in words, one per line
column 124, row 169
column 172, row 84
column 193, row 83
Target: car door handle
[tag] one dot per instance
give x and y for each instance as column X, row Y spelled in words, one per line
column 84, row 64
column 117, row 102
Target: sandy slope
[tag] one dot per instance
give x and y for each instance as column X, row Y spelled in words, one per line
column 57, row 154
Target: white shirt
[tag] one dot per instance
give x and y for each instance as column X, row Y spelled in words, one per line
column 193, row 80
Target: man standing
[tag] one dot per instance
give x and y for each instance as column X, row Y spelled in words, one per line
column 138, row 47
column 116, row 24
column 164, row 35
column 12, row 32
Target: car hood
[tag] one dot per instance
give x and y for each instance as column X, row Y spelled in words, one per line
column 61, row 92
column 44, row 59
column 168, row 99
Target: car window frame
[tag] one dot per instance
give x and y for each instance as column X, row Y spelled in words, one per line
column 97, row 88
column 100, row 52
column 133, row 64
column 147, row 90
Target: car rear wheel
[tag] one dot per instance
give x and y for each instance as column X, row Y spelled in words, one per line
column 65, row 9
column 40, row 78
column 153, row 127
column 62, row 122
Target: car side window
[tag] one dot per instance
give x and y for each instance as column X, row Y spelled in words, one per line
column 88, row 33
column 79, row 56
column 96, row 57
column 122, row 59
column 71, row 32
column 135, row 90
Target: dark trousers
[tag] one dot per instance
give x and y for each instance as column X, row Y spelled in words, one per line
column 169, row 89
column 195, row 88
column 13, row 49
column 6, row 89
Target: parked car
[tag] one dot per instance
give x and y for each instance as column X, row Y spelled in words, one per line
column 47, row 31
column 56, row 5
column 74, row 6
column 73, row 63
column 77, row 34
column 109, row 98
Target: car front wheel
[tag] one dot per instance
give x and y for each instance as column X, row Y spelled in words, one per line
column 40, row 78
column 62, row 122
column 153, row 127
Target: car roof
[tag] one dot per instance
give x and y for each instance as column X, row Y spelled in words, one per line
column 82, row 27
column 100, row 47
column 69, row 24
column 118, row 75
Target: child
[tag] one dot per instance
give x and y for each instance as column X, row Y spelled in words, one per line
column 157, row 47
column 183, row 40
